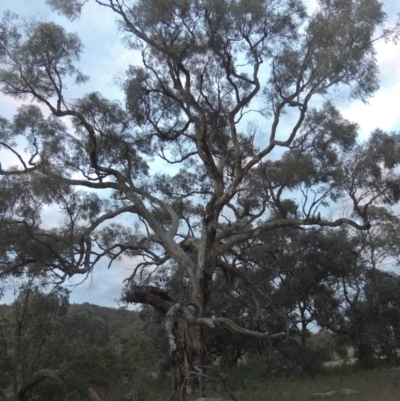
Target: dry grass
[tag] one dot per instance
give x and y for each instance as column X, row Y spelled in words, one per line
column 373, row 386
column 378, row 385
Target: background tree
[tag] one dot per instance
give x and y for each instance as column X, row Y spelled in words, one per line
column 140, row 362
column 205, row 66
column 29, row 333
column 51, row 350
column 379, row 247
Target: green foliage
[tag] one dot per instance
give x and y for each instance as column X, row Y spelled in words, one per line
column 89, row 346
column 81, row 324
column 91, row 366
column 71, row 8
column 139, row 360
column 153, row 325
column 140, row 355
column 45, row 50
column 50, row 390
column 6, row 366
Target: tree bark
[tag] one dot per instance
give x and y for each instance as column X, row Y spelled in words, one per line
column 184, row 339
column 185, row 357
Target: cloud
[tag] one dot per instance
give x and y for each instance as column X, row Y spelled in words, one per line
column 104, row 286
column 382, row 111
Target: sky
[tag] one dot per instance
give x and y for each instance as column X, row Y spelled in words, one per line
column 104, row 57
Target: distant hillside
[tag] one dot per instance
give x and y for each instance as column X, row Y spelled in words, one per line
column 121, row 322
column 4, row 308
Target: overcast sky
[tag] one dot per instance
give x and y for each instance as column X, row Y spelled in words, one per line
column 104, row 57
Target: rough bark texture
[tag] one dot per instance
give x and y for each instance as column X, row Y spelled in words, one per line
column 184, row 338
column 186, row 357
column 149, row 295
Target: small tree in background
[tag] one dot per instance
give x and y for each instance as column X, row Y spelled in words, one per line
column 139, row 361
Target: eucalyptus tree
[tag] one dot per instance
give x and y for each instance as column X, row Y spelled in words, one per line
column 362, row 300
column 378, row 247
column 224, row 94
column 28, row 332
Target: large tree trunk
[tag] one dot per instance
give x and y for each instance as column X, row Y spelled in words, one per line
column 303, row 333
column 185, row 341
column 185, row 356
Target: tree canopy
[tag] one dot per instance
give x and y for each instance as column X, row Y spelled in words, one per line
column 235, row 96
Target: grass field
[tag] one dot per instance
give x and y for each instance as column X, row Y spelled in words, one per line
column 377, row 385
